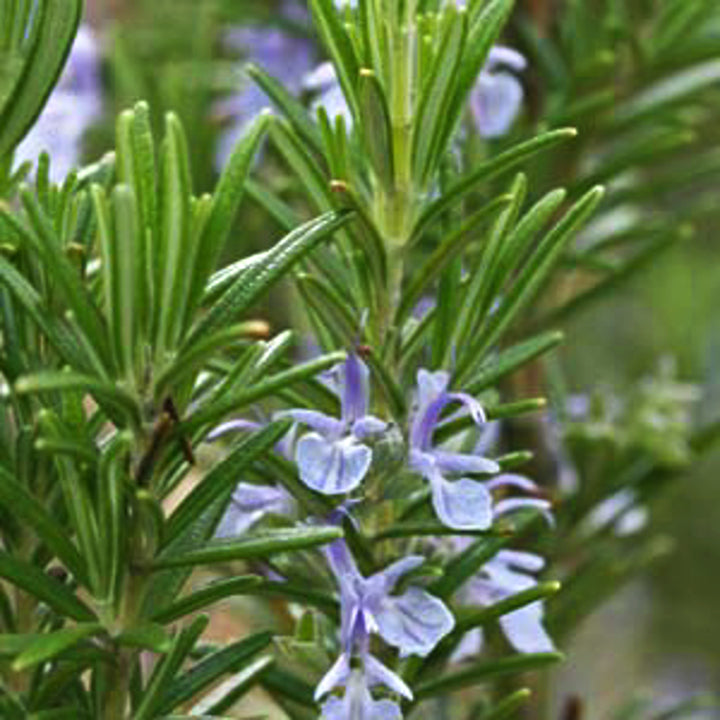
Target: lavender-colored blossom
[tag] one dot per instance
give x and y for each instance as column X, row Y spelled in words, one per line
column 413, row 622
column 462, row 503
column 73, row 106
column 251, row 503
column 324, row 85
column 497, row 96
column 621, row 511
column 286, row 57
column 333, row 459
column 507, row 574
column 357, row 702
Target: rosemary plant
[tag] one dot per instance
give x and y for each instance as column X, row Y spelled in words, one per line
column 393, row 497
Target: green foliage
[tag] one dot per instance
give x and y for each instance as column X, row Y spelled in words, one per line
column 125, row 342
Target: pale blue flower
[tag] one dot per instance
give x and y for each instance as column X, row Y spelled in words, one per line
column 497, row 97
column 334, row 459
column 251, row 503
column 73, row 106
column 620, row 510
column 508, row 573
column 357, row 703
column 327, row 93
column 413, row 622
column 461, row 503
column 286, row 57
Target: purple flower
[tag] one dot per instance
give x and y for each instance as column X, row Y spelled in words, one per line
column 250, row 503
column 323, row 83
column 497, row 97
column 413, row 622
column 73, row 106
column 507, row 574
column 333, row 459
column 462, row 503
column 621, row 510
column 357, row 702
column 285, row 57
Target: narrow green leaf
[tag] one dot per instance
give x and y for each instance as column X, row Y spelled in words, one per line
column 510, row 360
column 449, row 249
column 375, row 124
column 208, row 670
column 329, row 25
column 107, row 394
column 508, row 706
column 47, row 646
column 235, row 402
column 458, row 680
column 536, row 271
column 252, row 546
column 437, row 93
column 167, row 669
column 491, row 168
column 64, row 340
column 227, row 695
column 214, row 592
column 223, row 477
column 43, row 239
column 57, row 21
column 21, row 504
column 174, row 260
column 256, row 280
column 43, row 587
column 285, row 684
column 148, row 636
column 225, row 203
column 290, row 106
column 483, row 616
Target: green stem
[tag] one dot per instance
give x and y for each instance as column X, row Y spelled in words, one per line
column 116, row 699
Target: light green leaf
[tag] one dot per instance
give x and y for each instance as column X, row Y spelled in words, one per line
column 47, row 646
column 251, row 546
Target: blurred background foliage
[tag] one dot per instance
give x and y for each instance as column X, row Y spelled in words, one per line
column 586, row 59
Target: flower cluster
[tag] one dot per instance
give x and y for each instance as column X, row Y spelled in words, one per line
column 413, row 622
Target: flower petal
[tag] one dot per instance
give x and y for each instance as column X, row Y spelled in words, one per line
column 360, row 707
column 511, row 504
column 368, row 425
column 332, row 468
column 251, row 503
column 336, row 675
column 495, row 102
column 239, row 425
column 501, row 55
column 355, row 388
column 469, row 646
column 320, row 422
column 378, row 674
column 462, row 504
column 524, row 629
column 383, row 582
column 461, row 463
column 414, row 622
column 512, row 480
